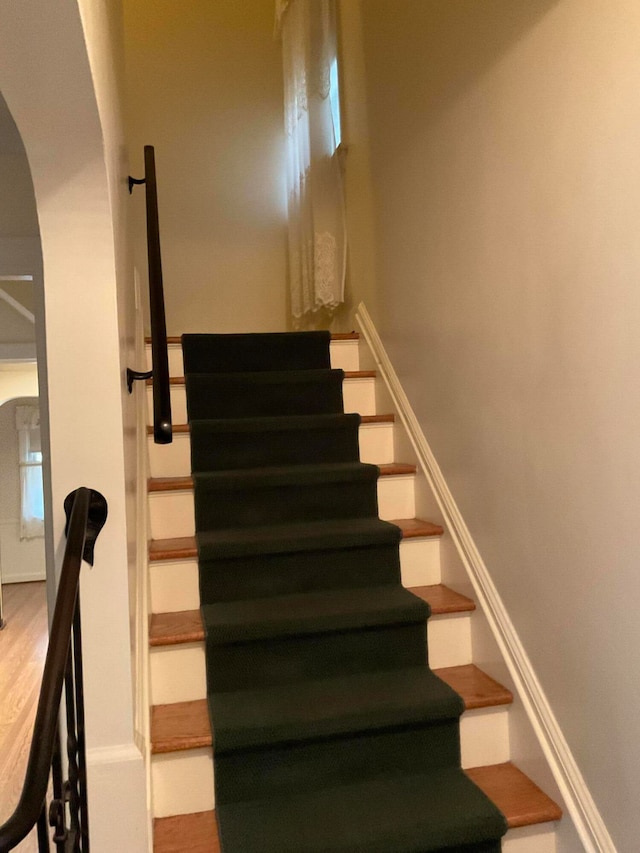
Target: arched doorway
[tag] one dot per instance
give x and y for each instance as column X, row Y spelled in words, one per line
column 56, row 74
column 23, row 552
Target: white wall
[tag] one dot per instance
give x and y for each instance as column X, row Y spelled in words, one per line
column 504, row 140
column 20, row 560
column 18, row 380
column 204, row 86
column 46, row 79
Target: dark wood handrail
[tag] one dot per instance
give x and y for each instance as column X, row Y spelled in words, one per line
column 162, row 431
column 63, row 663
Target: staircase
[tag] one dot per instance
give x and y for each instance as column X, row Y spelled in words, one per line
column 182, row 764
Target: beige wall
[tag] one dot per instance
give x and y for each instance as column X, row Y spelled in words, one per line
column 505, row 141
column 20, row 559
column 204, row 86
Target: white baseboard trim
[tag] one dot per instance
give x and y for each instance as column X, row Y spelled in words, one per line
column 118, row 814
column 578, row 800
column 23, row 577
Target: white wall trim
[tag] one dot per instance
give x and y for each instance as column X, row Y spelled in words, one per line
column 116, row 777
column 577, row 797
column 119, row 753
column 23, row 577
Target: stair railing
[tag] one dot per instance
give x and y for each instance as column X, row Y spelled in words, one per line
column 159, row 373
column 67, row 812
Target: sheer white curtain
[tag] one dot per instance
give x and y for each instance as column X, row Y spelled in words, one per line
column 30, row 464
column 317, row 229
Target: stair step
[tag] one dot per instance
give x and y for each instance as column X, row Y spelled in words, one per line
column 181, row 484
column 344, row 352
column 310, row 613
column 177, row 647
column 185, row 725
column 365, row 420
column 171, row 504
column 358, row 394
column 287, row 494
column 374, row 437
column 431, row 811
column 518, row 798
column 443, row 600
column 348, row 374
column 184, row 548
column 186, row 833
column 478, row 690
column 168, row 629
column 174, row 566
column 176, row 340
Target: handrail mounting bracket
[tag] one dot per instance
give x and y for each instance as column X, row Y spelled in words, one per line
column 134, row 181
column 134, row 375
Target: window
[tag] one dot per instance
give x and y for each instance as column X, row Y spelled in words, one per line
column 315, row 198
column 30, row 465
column 334, row 97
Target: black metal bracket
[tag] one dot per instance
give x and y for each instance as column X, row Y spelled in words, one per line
column 134, row 181
column 135, row 375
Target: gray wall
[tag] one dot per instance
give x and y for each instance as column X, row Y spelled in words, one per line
column 506, row 178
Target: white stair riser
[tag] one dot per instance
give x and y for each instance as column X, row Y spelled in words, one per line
column 171, row 513
column 359, row 395
column 540, row 838
column 178, row 672
column 344, row 355
column 484, row 736
column 174, row 460
column 449, row 640
column 174, row 584
column 184, row 780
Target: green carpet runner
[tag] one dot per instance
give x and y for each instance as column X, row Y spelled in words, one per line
column 331, row 733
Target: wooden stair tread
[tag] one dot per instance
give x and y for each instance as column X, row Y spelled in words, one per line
column 185, row 626
column 181, row 484
column 477, row 688
column 180, row 726
column 412, row 528
column 176, row 340
column 195, row 833
column 185, row 547
column 377, row 419
column 170, row 629
column 185, row 725
column 394, row 469
column 517, row 797
column 364, row 419
column 179, row 548
column 169, row 484
column 443, row 600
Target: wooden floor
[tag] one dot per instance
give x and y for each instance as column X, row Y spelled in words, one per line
column 23, row 645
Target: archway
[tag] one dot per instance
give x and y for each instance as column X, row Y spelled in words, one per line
column 50, row 87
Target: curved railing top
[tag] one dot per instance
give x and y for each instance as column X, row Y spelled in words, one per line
column 86, row 514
